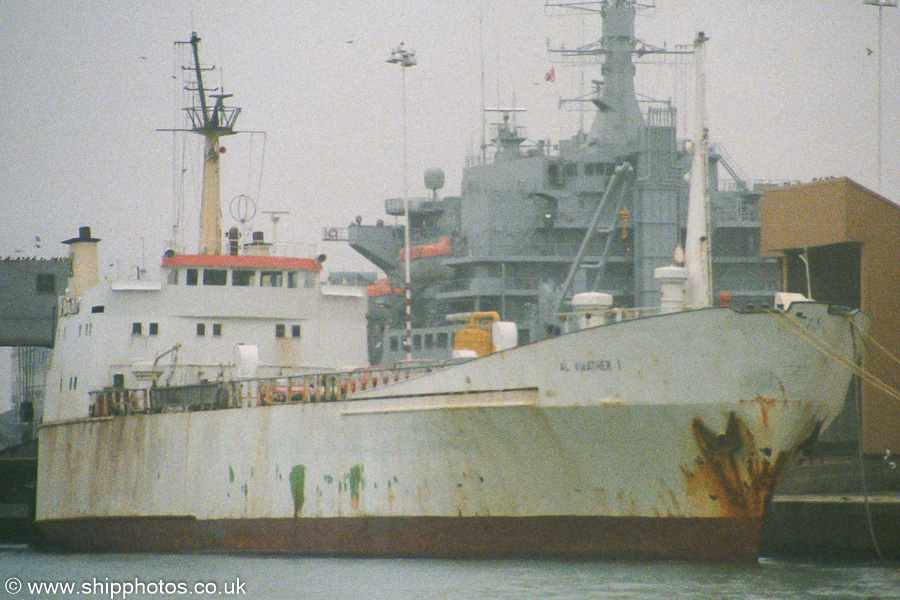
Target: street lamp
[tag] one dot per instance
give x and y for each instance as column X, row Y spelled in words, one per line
column 881, row 4
column 405, row 58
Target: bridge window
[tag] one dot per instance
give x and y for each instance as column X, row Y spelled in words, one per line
column 442, row 340
column 279, row 330
column 217, row 330
column 201, row 329
column 46, row 283
column 395, row 345
column 429, row 341
column 242, row 278
column 136, row 329
column 270, row 279
column 153, row 329
column 191, row 276
column 295, row 331
column 417, row 342
column 215, row 276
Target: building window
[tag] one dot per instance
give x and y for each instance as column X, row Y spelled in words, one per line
column 118, row 380
column 270, row 279
column 172, row 277
column 295, row 331
column 242, row 278
column 153, row 329
column 191, row 277
column 215, row 276
column 201, row 329
column 429, row 341
column 279, row 330
column 310, row 279
column 217, row 330
column 442, row 340
column 417, row 342
column 46, row 283
column 135, row 329
column 395, row 345
column 98, row 309
column 292, row 279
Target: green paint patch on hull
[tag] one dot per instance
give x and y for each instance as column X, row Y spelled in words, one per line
column 356, row 481
column 298, row 481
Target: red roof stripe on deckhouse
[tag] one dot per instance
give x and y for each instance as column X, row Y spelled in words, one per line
column 224, row 261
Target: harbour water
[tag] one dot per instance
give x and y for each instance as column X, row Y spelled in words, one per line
column 26, row 574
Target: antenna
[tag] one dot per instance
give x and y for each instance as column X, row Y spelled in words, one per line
column 481, row 55
column 275, row 215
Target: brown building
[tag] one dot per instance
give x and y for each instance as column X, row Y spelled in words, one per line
column 850, row 238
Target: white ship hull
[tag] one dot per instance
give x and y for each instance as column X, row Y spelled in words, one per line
column 608, row 441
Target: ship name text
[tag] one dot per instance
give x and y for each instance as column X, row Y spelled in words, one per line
column 582, row 366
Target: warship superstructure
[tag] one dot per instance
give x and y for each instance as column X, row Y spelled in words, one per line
column 533, row 224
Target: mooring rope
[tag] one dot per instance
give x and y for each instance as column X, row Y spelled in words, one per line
column 860, row 375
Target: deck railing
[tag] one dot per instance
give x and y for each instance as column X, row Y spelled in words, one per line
column 260, row 391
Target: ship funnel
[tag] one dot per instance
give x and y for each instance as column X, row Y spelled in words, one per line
column 83, row 270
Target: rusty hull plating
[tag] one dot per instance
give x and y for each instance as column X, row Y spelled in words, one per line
column 731, row 471
column 602, row 443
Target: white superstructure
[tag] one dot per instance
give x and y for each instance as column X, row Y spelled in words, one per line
column 206, row 318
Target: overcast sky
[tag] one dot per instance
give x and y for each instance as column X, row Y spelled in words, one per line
column 85, row 85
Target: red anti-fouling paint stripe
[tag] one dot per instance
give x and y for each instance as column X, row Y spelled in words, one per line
column 713, row 539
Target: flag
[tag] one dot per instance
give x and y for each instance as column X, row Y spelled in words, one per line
column 551, row 75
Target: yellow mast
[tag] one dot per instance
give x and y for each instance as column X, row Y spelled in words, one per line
column 212, row 124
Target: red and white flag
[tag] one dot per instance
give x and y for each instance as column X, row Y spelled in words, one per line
column 551, row 75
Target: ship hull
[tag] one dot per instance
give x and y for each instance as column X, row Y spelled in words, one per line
column 680, row 538
column 599, row 443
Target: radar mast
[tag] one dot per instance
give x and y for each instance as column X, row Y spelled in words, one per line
column 212, row 123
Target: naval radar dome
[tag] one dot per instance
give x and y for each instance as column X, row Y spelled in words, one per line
column 434, row 179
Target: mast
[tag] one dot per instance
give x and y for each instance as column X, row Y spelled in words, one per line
column 618, row 125
column 697, row 242
column 211, row 123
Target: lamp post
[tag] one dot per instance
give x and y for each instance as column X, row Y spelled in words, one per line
column 405, row 58
column 881, row 4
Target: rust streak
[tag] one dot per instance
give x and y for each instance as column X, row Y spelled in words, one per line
column 764, row 405
column 731, row 471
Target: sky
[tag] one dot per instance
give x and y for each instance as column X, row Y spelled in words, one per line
column 87, row 85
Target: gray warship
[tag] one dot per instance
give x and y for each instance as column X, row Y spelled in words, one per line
column 536, row 223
